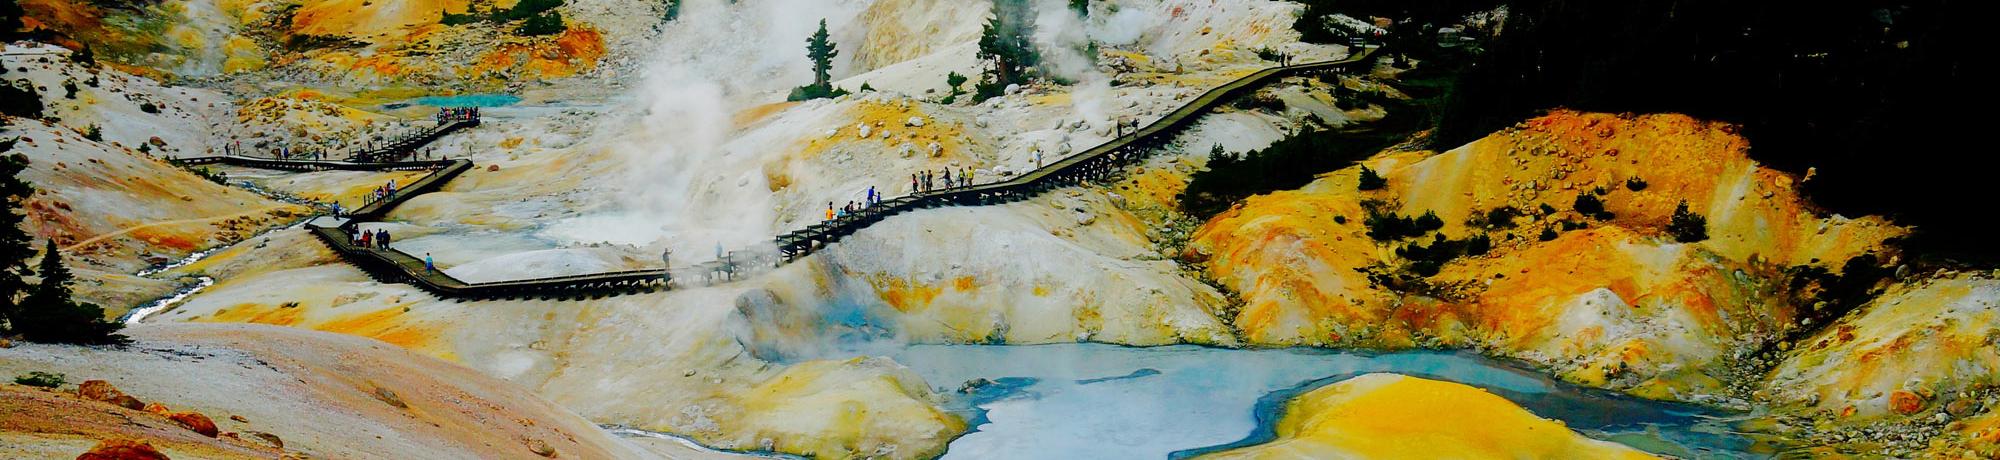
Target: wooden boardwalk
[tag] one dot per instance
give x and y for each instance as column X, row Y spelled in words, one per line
column 390, row 265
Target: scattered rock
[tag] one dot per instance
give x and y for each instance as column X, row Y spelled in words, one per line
column 99, row 390
column 389, row 396
column 1905, row 402
column 268, row 438
column 915, row 122
column 239, row 419
column 196, row 422
column 122, row 449
column 4, row 344
column 541, row 448
column 492, row 168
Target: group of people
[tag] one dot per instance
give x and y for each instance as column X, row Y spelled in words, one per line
column 386, row 190
column 927, row 181
column 372, row 239
column 451, row 114
column 872, row 198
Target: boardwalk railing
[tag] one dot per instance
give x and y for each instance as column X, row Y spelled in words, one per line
column 390, row 265
column 1095, row 163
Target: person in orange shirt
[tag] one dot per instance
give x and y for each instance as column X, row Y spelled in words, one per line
column 829, row 210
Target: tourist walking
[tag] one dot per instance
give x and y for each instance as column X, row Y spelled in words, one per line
column 429, row 265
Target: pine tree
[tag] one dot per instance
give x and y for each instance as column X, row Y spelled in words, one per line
column 50, row 313
column 1005, row 44
column 14, row 249
column 822, row 52
column 1371, row 181
column 1686, row 226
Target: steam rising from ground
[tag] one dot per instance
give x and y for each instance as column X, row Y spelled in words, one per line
column 685, row 178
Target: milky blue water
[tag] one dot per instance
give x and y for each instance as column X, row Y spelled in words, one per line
column 468, row 100
column 1112, row 402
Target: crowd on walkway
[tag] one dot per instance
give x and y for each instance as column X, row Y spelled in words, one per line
column 930, row 181
column 451, row 114
column 370, row 239
column 870, row 198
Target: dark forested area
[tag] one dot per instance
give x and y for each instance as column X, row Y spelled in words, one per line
column 1878, row 98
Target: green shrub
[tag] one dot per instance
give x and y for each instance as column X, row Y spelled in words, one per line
column 1548, row 234
column 1686, row 226
column 69, row 89
column 1635, row 184
column 527, row 9
column 94, row 133
column 546, row 24
column 1497, row 218
column 810, row 92
column 312, row 42
column 41, row 379
column 84, row 57
column 19, row 98
column 1387, row 226
column 1589, row 205
column 149, row 107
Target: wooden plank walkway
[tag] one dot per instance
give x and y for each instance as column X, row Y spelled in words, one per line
column 390, row 265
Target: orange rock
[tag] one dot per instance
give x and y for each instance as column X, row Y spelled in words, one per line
column 157, row 408
column 99, row 390
column 1905, row 402
column 122, row 449
column 196, row 422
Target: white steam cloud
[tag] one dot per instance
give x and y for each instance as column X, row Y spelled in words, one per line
column 686, row 180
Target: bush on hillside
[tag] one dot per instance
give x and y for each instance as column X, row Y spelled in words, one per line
column 1686, row 226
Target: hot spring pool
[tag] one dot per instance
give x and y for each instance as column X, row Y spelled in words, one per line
column 468, row 100
column 1113, row 402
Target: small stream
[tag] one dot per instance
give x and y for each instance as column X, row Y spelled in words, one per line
column 1114, row 402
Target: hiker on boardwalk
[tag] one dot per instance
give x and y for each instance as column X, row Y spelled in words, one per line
column 667, row 267
column 429, row 265
column 367, row 238
column 947, row 177
column 829, row 216
column 382, row 240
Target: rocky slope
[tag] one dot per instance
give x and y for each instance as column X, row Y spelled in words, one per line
column 367, row 399
column 1614, row 303
column 111, row 203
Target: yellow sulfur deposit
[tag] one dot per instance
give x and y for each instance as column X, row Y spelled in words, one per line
column 1389, row 416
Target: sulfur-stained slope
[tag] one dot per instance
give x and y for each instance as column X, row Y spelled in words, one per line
column 1608, row 300
column 1389, row 416
column 1914, row 348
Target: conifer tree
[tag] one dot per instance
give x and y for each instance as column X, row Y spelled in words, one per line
column 14, row 249
column 1005, row 44
column 51, row 314
column 822, row 52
